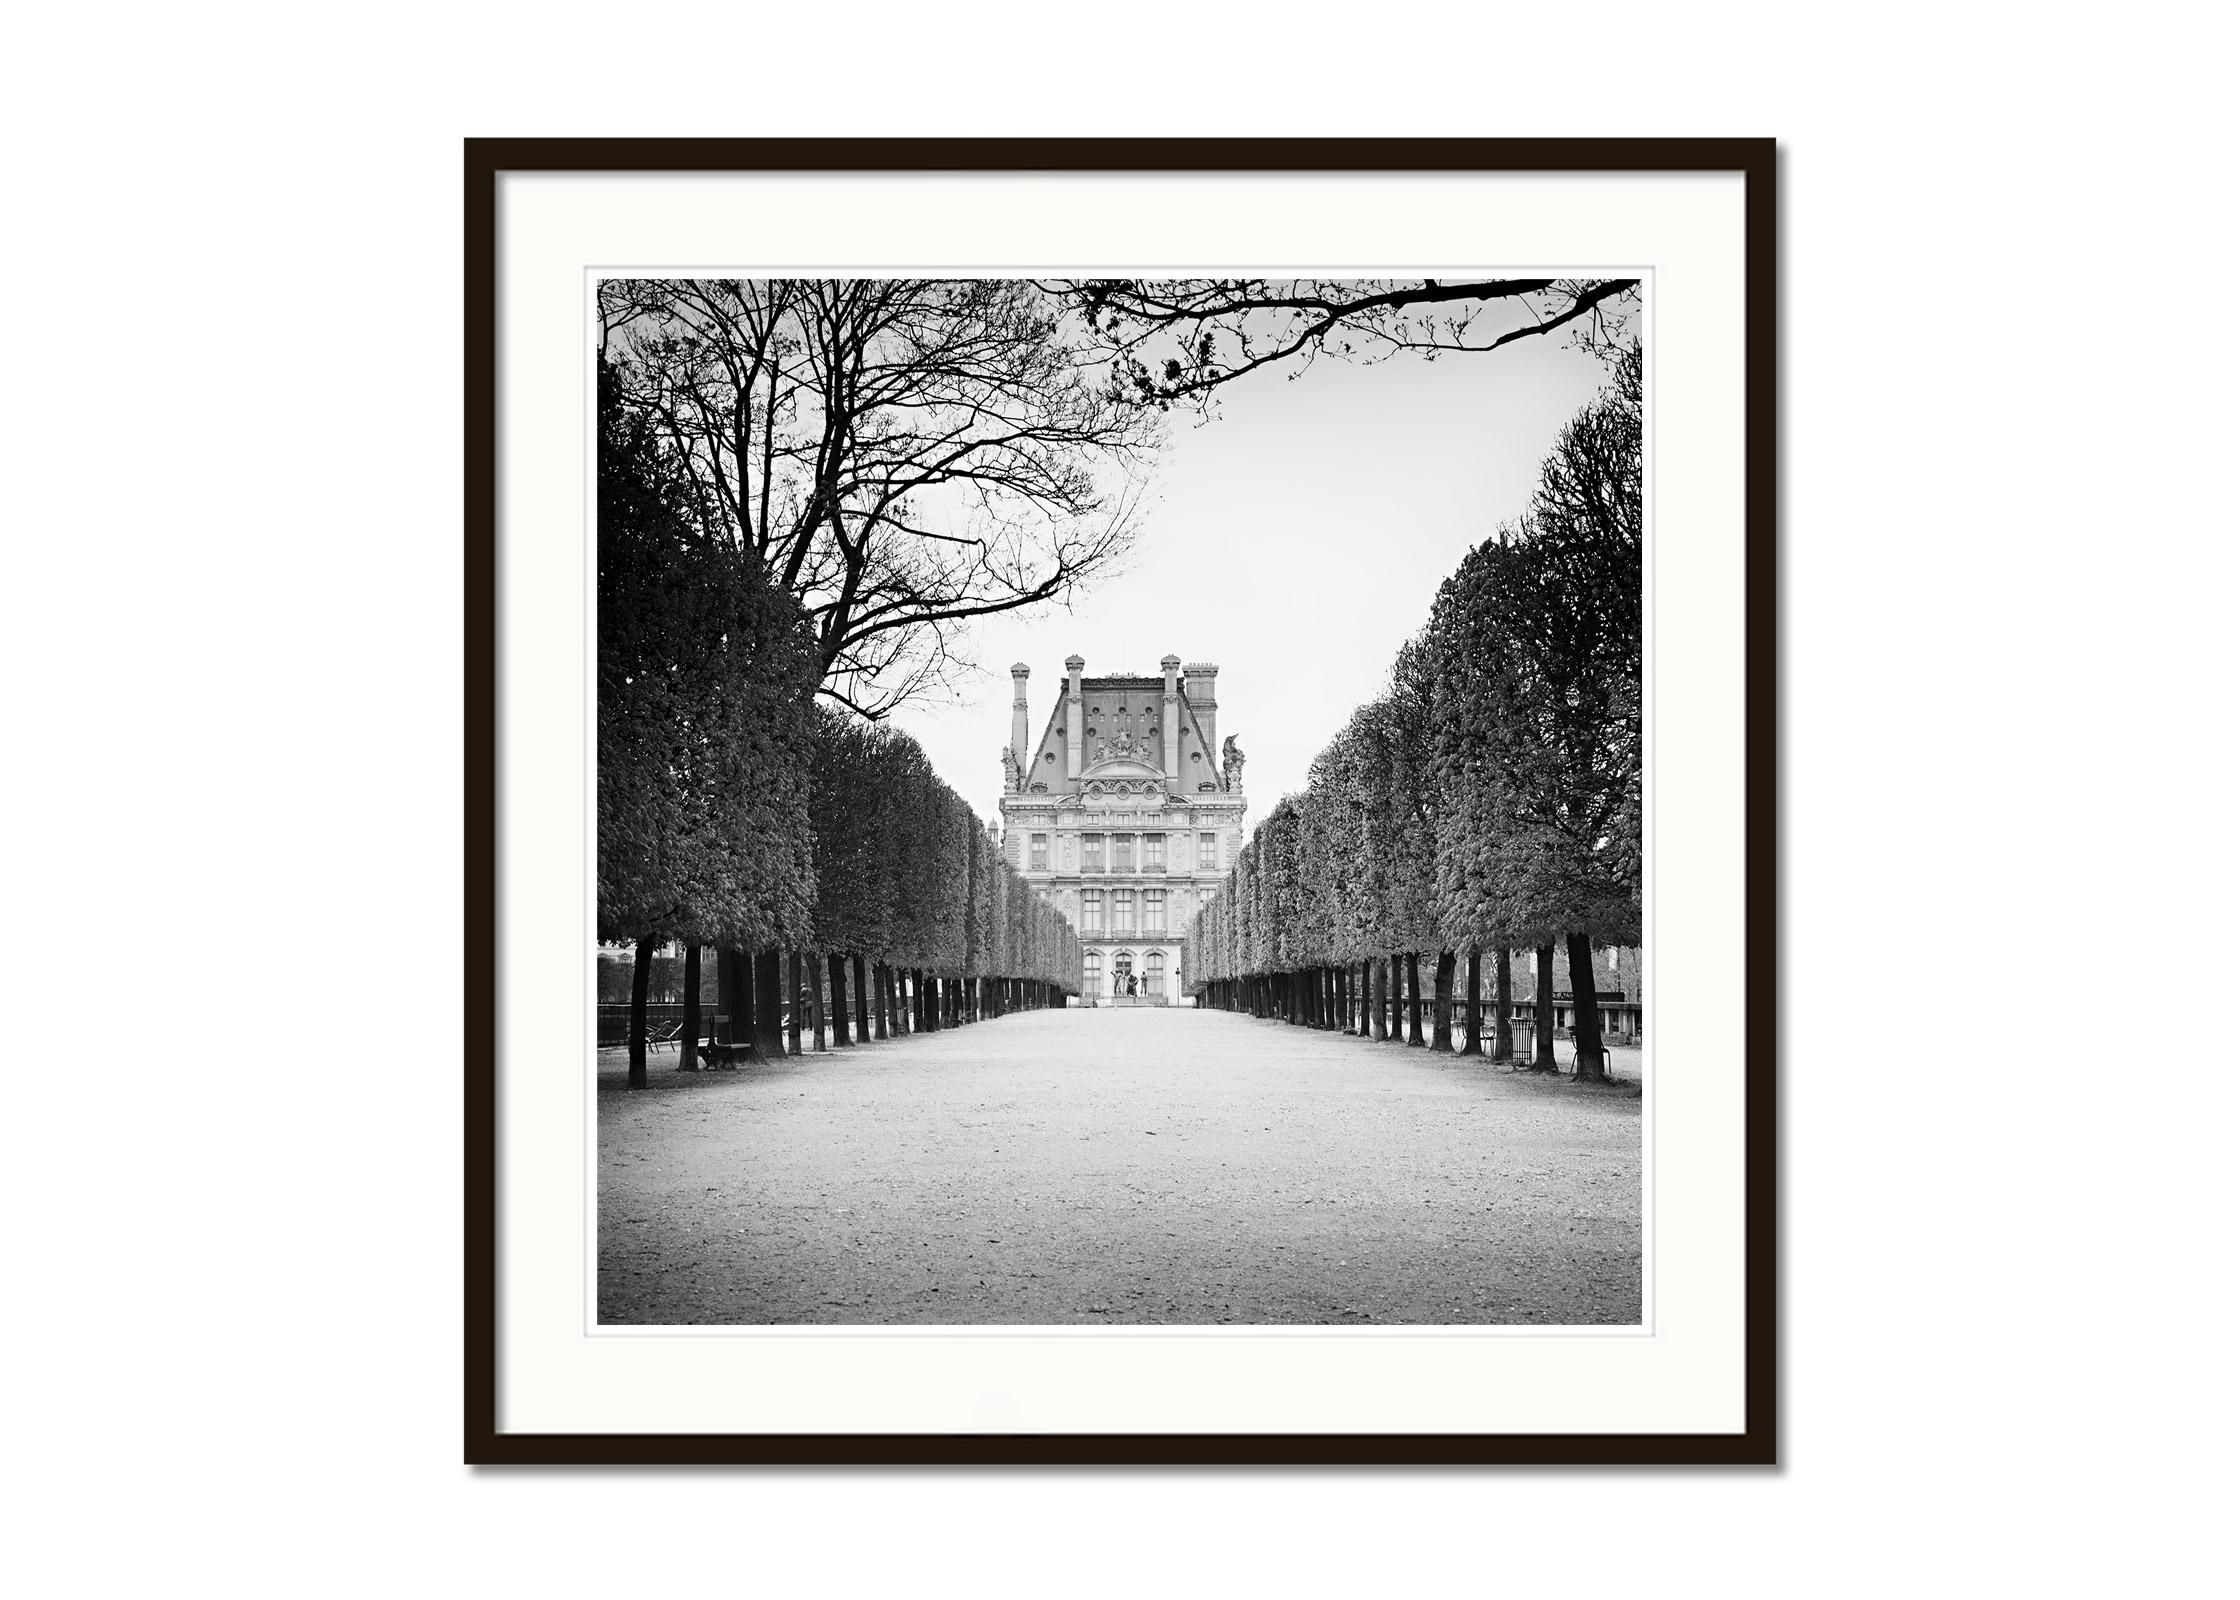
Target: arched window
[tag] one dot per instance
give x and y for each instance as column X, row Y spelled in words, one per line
column 1155, row 973
column 1092, row 974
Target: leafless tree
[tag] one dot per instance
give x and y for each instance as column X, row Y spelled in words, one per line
column 903, row 455
column 1169, row 341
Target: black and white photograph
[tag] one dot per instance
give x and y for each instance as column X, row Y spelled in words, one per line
column 1119, row 801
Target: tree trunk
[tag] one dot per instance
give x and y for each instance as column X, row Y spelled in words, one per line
column 1504, row 1044
column 1375, row 999
column 727, row 996
column 800, row 998
column 769, row 1005
column 816, row 1002
column 688, row 1037
column 836, row 967
column 1415, row 1000
column 1586, row 1011
column 641, row 973
column 1442, row 1005
column 863, row 1004
column 1473, row 1020
column 742, row 975
column 1544, row 1010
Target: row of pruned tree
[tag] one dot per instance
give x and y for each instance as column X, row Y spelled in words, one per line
column 1488, row 801
column 738, row 815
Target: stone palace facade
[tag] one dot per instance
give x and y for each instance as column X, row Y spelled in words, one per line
column 1125, row 814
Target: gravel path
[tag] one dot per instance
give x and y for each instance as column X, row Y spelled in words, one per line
column 1142, row 1166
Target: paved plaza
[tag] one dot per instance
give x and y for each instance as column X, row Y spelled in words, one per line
column 1118, row 1166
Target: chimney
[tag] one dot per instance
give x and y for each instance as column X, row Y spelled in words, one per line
column 1022, row 753
column 1170, row 721
column 1197, row 687
column 1074, row 664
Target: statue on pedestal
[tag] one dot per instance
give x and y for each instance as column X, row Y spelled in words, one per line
column 1232, row 763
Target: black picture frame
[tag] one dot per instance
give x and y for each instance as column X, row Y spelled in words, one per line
column 487, row 162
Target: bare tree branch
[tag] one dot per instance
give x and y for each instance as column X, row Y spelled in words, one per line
column 1168, row 342
column 904, row 456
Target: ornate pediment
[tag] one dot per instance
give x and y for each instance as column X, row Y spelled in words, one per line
column 1122, row 756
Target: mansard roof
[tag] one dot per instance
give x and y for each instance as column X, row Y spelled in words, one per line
column 1045, row 767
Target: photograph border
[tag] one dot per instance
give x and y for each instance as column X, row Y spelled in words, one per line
column 487, row 162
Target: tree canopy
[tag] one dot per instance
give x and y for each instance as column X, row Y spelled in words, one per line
column 899, row 455
column 1492, row 795
column 905, row 874
column 704, row 722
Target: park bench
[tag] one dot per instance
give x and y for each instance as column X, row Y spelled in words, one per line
column 720, row 1053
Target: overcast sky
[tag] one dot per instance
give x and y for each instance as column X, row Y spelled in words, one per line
column 1296, row 542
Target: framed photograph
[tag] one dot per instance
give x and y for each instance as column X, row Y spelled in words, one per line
column 1121, row 801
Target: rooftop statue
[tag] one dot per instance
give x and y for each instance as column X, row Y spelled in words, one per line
column 1232, row 762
